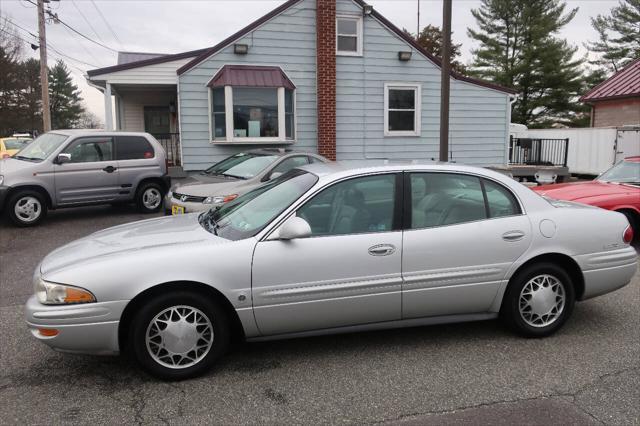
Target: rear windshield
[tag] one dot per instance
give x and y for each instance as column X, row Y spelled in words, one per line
column 133, row 148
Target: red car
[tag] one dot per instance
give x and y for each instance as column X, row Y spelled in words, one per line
column 616, row 189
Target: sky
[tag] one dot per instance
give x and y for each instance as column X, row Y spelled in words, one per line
column 172, row 26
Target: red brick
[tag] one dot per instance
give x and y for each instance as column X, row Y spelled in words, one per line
column 326, row 69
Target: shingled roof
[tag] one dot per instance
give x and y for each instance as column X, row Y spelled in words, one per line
column 623, row 84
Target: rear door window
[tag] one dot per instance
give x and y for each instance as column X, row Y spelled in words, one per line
column 133, row 148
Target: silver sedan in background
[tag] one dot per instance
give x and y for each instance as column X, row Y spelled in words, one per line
column 228, row 179
column 326, row 249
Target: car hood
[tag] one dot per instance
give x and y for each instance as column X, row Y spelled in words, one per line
column 577, row 191
column 129, row 238
column 10, row 165
column 204, row 186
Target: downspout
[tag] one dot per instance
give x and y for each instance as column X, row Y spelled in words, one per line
column 510, row 100
column 95, row 86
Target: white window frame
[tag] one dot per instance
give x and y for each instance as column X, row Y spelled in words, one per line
column 228, row 109
column 359, row 32
column 417, row 118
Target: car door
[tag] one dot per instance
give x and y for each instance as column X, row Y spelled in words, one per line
column 463, row 232
column 346, row 273
column 136, row 160
column 91, row 175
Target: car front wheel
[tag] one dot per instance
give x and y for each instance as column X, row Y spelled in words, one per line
column 26, row 208
column 179, row 335
column 539, row 300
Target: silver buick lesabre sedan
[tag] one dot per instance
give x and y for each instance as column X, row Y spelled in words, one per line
column 328, row 249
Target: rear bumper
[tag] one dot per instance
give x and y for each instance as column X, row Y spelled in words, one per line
column 166, row 179
column 88, row 329
column 607, row 271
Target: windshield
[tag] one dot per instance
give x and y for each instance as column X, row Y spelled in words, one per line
column 41, row 147
column 242, row 166
column 623, row 172
column 248, row 214
column 15, row 143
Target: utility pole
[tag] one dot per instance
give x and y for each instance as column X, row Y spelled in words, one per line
column 44, row 73
column 418, row 31
column 445, row 80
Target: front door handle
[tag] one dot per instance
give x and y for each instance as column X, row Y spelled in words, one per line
column 513, row 236
column 382, row 250
column 110, row 169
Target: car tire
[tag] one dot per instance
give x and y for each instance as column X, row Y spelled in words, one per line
column 26, row 208
column 149, row 197
column 538, row 300
column 635, row 224
column 196, row 334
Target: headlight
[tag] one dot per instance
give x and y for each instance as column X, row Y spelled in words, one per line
column 59, row 294
column 220, row 199
column 169, row 194
column 1, row 179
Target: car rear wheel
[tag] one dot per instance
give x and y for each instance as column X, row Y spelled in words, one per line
column 179, row 335
column 26, row 208
column 149, row 197
column 539, row 300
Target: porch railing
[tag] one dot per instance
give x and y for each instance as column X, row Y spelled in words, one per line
column 171, row 144
column 538, row 152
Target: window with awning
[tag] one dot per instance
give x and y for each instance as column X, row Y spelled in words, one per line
column 252, row 104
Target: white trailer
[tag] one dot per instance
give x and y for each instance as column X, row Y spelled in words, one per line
column 592, row 150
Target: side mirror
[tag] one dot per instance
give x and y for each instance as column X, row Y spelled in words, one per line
column 63, row 158
column 275, row 175
column 295, row 227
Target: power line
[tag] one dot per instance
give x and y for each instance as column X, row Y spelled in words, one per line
column 86, row 20
column 107, row 24
column 57, row 19
column 50, row 45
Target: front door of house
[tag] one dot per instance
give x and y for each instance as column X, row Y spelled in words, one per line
column 157, row 120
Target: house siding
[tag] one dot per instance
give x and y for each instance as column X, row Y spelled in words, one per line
column 133, row 103
column 616, row 112
column 287, row 41
column 478, row 121
column 478, row 115
column 163, row 73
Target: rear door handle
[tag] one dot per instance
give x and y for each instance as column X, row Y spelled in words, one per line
column 110, row 169
column 382, row 250
column 513, row 236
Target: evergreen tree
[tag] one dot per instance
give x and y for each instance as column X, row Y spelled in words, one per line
column 519, row 49
column 10, row 53
column 30, row 96
column 64, row 98
column 430, row 38
column 619, row 34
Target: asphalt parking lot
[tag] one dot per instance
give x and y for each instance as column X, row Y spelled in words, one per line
column 476, row 373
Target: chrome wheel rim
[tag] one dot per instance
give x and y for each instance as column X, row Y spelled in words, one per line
column 28, row 209
column 542, row 300
column 179, row 337
column 151, row 198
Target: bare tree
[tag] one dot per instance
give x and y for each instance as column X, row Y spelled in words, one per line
column 89, row 120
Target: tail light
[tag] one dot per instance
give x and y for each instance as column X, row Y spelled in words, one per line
column 627, row 236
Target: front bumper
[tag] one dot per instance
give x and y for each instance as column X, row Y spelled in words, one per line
column 90, row 328
column 169, row 202
column 4, row 191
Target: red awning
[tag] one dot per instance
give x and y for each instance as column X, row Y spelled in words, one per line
column 251, row 76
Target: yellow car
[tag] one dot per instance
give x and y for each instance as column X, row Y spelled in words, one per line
column 9, row 146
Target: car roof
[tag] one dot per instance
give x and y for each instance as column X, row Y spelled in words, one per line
column 280, row 152
column 343, row 169
column 96, row 132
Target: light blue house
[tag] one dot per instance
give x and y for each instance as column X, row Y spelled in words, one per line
column 327, row 76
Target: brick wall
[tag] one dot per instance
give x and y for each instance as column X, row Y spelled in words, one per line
column 618, row 112
column 326, row 64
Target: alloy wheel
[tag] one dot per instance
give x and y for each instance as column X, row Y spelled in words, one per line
column 28, row 209
column 151, row 198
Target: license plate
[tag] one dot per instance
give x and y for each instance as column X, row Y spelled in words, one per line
column 177, row 210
